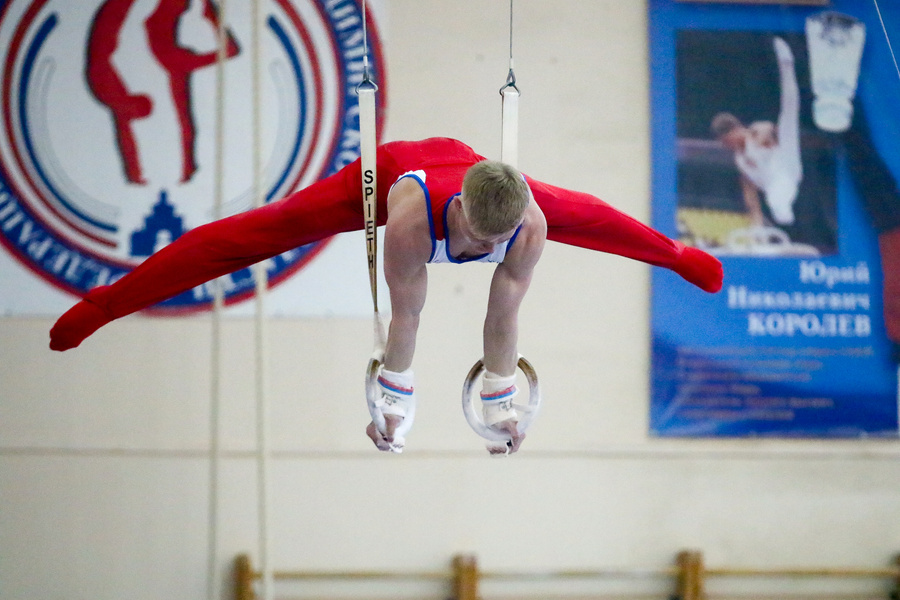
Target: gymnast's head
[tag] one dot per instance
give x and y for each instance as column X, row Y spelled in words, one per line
column 734, row 134
column 494, row 198
column 729, row 130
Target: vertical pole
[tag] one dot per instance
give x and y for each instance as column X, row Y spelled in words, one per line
column 216, row 333
column 261, row 330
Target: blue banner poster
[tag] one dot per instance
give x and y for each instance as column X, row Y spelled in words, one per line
column 776, row 147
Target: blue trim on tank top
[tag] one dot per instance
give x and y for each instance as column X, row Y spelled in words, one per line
column 450, row 257
column 509, row 244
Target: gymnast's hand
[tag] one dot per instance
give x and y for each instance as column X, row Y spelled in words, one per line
column 511, row 428
column 385, row 442
column 396, row 405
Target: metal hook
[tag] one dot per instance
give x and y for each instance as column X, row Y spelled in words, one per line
column 510, row 82
column 366, row 84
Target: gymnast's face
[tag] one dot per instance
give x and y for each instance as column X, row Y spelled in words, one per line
column 475, row 241
column 735, row 139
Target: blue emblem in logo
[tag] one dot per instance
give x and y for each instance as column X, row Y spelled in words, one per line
column 109, row 134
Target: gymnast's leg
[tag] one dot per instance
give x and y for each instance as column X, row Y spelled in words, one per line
column 583, row 220
column 327, row 207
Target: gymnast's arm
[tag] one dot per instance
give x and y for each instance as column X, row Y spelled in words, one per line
column 511, row 280
column 407, row 248
column 789, row 113
column 509, row 285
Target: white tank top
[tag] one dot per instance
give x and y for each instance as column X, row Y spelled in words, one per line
column 775, row 170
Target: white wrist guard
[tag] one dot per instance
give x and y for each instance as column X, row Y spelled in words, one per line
column 395, row 392
column 497, row 394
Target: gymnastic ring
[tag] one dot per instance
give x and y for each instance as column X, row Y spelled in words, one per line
column 527, row 412
column 372, row 394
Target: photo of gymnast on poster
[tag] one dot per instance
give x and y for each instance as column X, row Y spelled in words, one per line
column 756, row 177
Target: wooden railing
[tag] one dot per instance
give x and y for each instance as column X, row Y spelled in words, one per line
column 689, row 576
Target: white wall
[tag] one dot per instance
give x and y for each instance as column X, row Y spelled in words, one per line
column 103, row 468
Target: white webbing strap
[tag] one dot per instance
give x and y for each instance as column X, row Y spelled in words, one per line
column 509, row 134
column 368, row 157
column 368, row 154
column 509, row 138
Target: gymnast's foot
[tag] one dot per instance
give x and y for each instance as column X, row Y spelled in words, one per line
column 76, row 324
column 700, row 268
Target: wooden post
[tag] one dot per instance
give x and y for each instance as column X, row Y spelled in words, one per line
column 895, row 594
column 685, row 585
column 465, row 577
column 243, row 578
column 690, row 575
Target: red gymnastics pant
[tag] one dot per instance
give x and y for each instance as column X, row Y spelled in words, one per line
column 333, row 205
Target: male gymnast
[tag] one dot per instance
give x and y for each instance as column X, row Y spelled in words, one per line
column 440, row 202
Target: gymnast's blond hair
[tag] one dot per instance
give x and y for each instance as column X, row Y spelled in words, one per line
column 494, row 197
